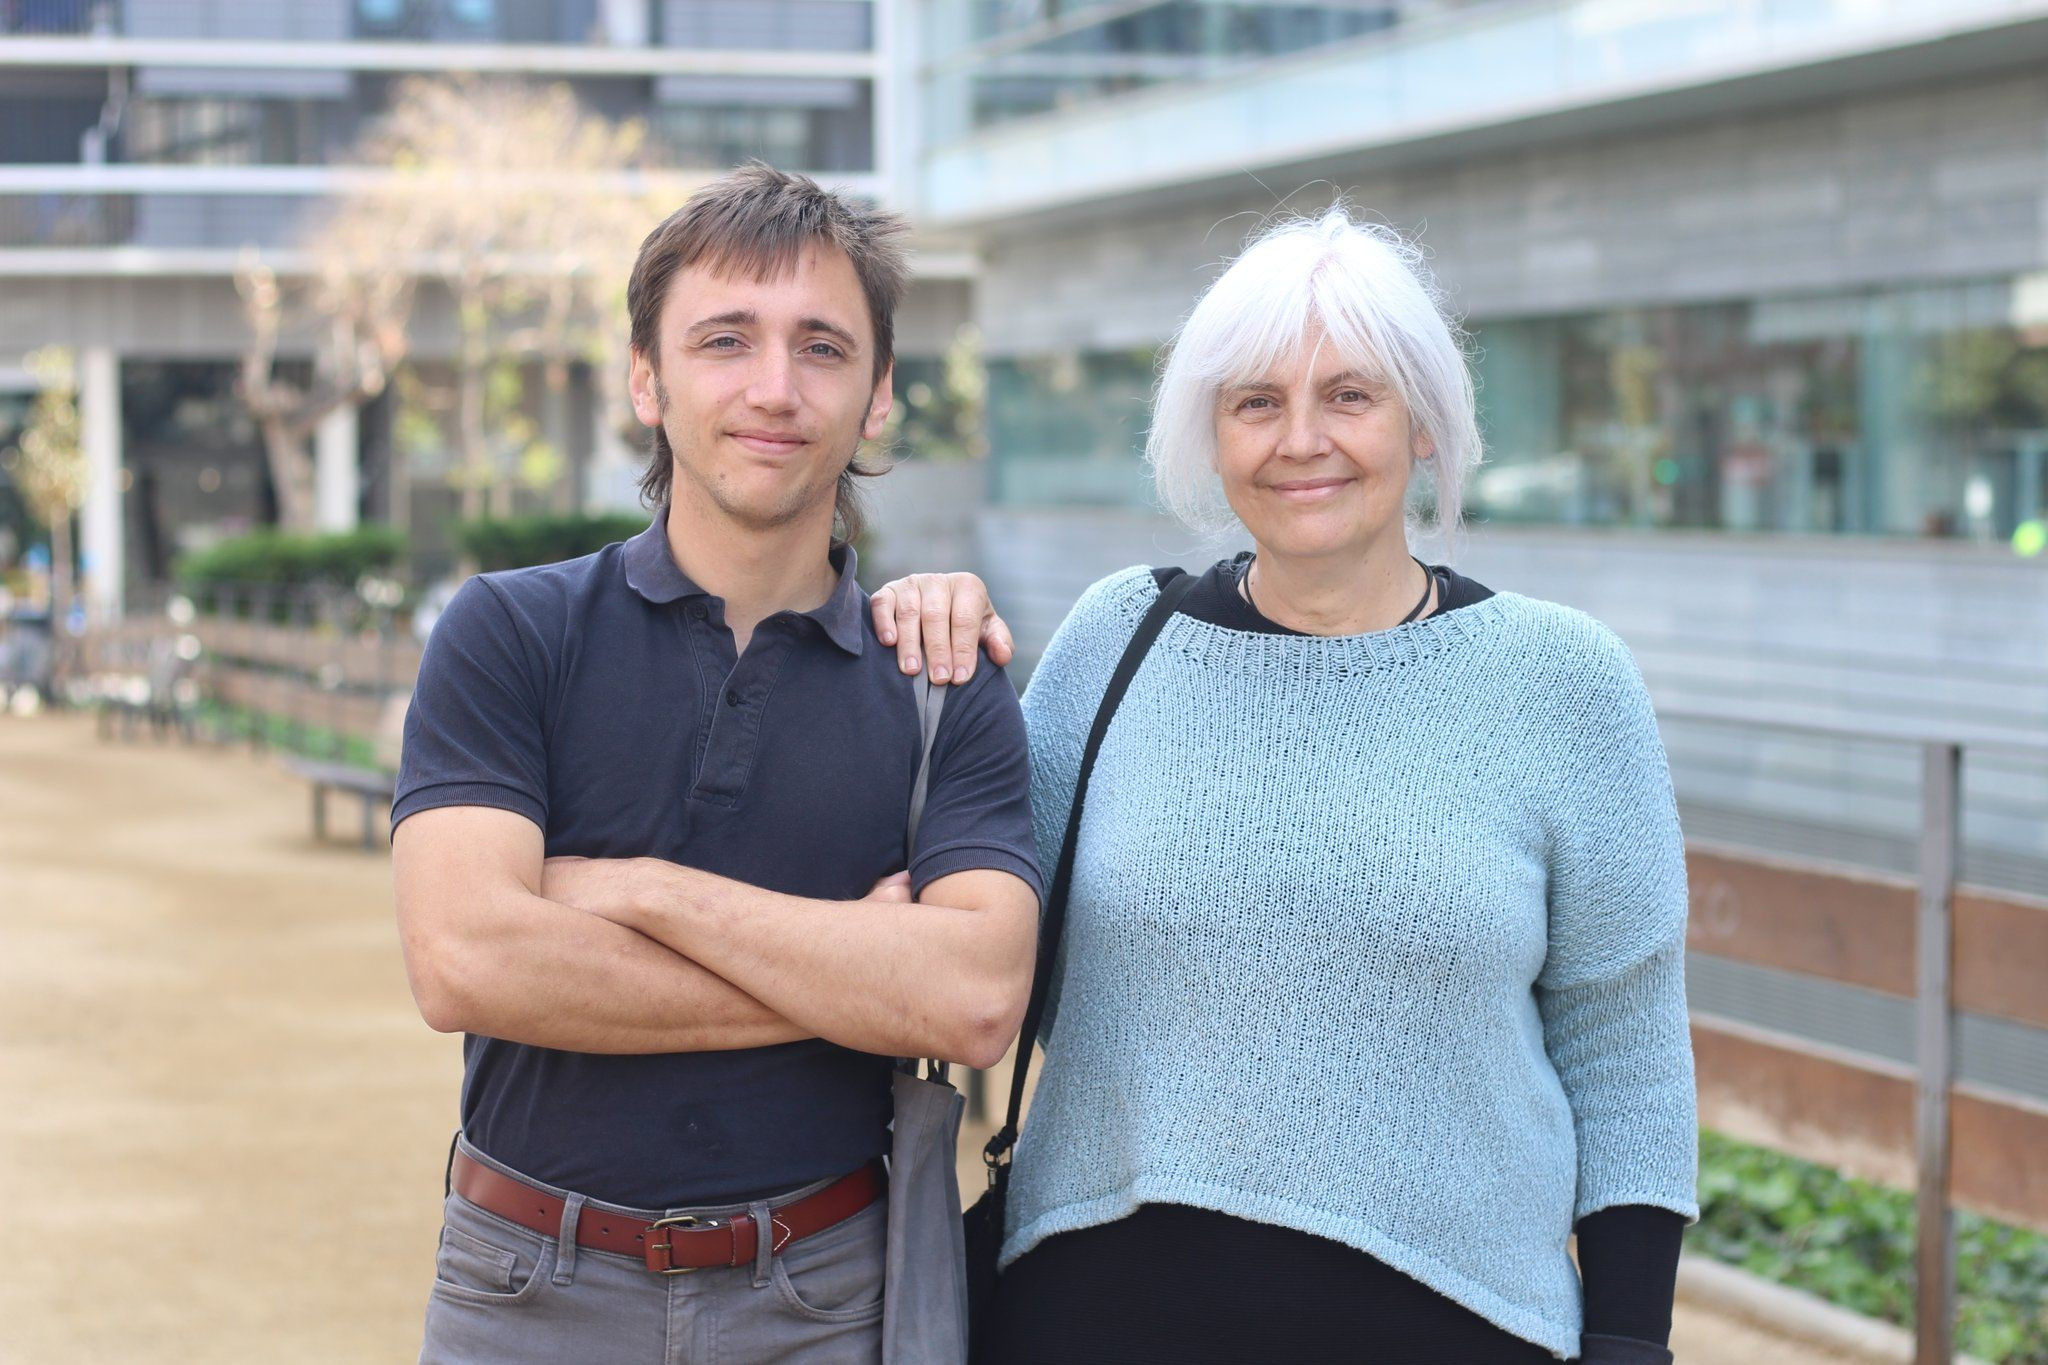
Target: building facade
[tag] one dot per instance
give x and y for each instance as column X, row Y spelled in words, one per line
column 144, row 144
column 1758, row 296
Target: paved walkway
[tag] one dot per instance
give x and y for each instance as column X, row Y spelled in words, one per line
column 221, row 1122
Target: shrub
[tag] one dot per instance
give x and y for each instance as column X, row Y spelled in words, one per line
column 547, row 538
column 281, row 559
column 1851, row 1243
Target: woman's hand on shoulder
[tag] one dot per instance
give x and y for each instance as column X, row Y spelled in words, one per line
column 943, row 617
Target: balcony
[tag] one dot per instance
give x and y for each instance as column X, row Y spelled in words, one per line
column 1488, row 77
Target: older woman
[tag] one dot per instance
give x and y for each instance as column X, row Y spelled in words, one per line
column 1372, row 985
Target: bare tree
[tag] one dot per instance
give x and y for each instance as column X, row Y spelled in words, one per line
column 526, row 210
column 49, row 464
column 354, row 309
column 519, row 206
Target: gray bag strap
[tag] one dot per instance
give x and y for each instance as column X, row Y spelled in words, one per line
column 930, row 702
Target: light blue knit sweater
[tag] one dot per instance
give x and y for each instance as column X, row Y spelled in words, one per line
column 1379, row 937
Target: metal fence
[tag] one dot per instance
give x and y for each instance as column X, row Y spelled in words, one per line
column 1965, row 1144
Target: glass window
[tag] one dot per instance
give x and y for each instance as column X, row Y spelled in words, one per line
column 1002, row 59
column 215, row 130
column 1069, row 428
column 808, row 137
column 1907, row 412
column 1904, row 412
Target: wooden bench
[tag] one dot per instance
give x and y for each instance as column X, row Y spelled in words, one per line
column 374, row 786
column 139, row 672
column 334, row 696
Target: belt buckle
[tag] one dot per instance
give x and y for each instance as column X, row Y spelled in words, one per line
column 681, row 1220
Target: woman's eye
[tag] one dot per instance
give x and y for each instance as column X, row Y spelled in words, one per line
column 1256, row 403
column 1351, row 396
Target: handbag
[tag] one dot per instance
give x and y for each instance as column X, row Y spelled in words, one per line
column 983, row 1224
column 924, row 1288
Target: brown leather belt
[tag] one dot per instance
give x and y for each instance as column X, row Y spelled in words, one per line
column 670, row 1246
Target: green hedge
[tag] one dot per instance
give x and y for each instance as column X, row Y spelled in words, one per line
column 1851, row 1243
column 280, row 559
column 515, row 542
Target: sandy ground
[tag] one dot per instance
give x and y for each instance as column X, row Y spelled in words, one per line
column 222, row 1125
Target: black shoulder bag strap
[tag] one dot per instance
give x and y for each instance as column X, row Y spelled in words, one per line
column 1173, row 586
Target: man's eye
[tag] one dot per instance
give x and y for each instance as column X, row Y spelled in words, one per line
column 721, row 343
column 821, row 348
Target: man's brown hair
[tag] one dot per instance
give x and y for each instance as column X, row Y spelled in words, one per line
column 758, row 220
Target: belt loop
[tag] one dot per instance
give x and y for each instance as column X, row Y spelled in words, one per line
column 448, row 1166
column 565, row 1243
column 764, row 1241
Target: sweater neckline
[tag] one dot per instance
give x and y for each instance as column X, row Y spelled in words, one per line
column 1432, row 636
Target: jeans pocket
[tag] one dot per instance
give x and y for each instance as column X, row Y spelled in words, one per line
column 480, row 1262
column 836, row 1275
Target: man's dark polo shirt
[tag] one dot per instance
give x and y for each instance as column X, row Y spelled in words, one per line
column 602, row 700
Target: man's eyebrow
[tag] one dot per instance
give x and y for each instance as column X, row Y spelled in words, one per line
column 830, row 329
column 738, row 317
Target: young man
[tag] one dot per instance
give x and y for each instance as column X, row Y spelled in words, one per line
column 650, row 849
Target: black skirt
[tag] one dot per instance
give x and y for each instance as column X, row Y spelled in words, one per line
column 1182, row 1286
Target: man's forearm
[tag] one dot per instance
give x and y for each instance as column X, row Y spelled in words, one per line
column 536, row 972
column 890, row 977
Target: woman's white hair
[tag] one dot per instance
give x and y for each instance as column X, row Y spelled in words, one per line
column 1378, row 307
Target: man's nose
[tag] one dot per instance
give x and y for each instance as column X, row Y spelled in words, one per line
column 771, row 385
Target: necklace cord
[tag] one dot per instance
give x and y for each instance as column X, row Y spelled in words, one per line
column 1244, row 582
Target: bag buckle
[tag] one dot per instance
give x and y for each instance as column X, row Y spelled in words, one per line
column 996, row 1154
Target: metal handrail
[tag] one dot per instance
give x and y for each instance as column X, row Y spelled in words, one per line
column 1941, row 748
column 1823, row 722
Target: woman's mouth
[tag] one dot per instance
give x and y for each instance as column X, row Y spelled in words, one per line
column 1309, row 490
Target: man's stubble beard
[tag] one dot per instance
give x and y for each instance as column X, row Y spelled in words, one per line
column 801, row 502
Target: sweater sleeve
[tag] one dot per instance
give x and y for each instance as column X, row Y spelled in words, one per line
column 1612, row 988
column 1059, row 706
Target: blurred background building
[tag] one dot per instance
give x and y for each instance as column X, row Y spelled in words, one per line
column 1758, row 289
column 1758, row 295
column 144, row 144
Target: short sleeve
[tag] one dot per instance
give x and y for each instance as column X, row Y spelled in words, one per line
column 474, row 733
column 977, row 812
column 1617, row 859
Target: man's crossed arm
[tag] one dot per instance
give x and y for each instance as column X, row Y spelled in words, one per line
column 639, row 955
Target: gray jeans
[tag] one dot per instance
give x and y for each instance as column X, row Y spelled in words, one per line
column 505, row 1294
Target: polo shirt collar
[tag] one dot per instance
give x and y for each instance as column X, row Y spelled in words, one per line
column 652, row 572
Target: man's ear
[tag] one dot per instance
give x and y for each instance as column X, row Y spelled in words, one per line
column 879, row 403
column 640, row 385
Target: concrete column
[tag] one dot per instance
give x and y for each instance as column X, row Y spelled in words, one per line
column 99, row 420
column 337, row 472
column 611, row 472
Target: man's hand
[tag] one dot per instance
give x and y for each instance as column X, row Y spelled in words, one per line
column 947, row 976
column 488, row 951
column 894, row 888
column 945, row 616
